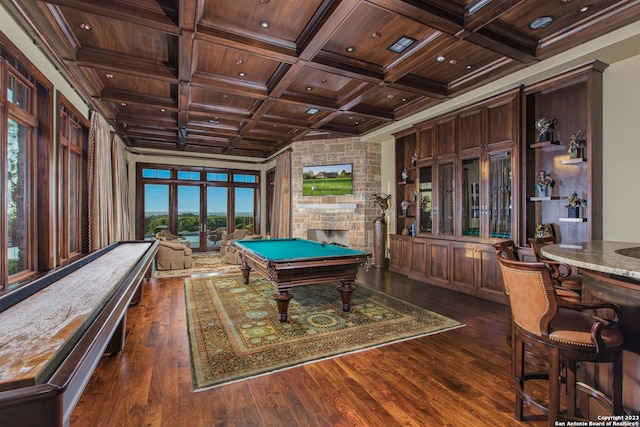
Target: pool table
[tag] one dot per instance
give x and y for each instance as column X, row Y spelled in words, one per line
column 297, row 262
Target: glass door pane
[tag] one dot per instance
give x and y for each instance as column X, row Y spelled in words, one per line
column 217, row 201
column 189, row 214
column 500, row 203
column 18, row 227
column 244, row 208
column 156, row 209
column 425, row 195
column 471, row 197
column 446, row 185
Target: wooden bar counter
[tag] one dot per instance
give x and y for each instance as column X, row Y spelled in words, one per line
column 611, row 272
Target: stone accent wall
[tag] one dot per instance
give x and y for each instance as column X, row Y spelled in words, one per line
column 354, row 212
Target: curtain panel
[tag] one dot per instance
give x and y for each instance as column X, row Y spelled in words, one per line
column 281, row 215
column 121, row 229
column 100, row 183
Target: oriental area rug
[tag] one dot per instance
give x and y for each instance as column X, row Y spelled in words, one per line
column 234, row 332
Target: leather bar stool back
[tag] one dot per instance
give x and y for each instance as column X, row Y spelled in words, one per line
column 570, row 332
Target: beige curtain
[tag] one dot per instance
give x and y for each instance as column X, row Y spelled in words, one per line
column 100, row 183
column 121, row 226
column 281, row 215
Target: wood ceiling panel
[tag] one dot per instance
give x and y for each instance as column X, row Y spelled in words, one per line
column 230, row 63
column 564, row 14
column 185, row 56
column 456, row 59
column 119, row 36
column 371, row 30
column 287, row 18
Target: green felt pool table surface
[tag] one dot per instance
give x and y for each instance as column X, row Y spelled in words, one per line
column 297, row 262
column 288, row 249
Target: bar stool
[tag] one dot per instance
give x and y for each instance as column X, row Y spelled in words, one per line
column 569, row 334
column 509, row 250
column 562, row 272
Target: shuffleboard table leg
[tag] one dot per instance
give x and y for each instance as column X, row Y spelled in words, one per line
column 282, row 300
column 345, row 292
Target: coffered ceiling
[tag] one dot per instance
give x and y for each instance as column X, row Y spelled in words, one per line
column 249, row 77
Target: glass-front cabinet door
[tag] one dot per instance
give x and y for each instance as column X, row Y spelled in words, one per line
column 500, row 195
column 446, row 189
column 425, row 199
column 470, row 197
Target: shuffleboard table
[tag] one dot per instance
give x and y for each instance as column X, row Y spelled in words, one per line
column 296, row 262
column 55, row 330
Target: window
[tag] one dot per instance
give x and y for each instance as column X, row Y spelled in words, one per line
column 18, row 168
column 199, row 204
column 72, row 188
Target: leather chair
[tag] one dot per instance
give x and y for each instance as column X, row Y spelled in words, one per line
column 562, row 272
column 510, row 251
column 570, row 333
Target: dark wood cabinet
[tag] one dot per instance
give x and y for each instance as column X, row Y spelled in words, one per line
column 474, row 180
column 462, row 188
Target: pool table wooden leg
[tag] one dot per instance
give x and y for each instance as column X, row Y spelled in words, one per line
column 282, row 300
column 345, row 292
column 245, row 273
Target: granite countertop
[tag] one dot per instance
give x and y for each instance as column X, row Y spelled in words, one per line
column 619, row 258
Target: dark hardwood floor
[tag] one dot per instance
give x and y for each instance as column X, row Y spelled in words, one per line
column 455, row 378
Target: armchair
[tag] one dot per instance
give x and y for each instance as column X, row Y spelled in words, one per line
column 173, row 256
column 170, row 237
column 238, row 234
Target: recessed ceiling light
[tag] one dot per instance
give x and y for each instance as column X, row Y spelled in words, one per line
column 124, row 104
column 375, row 35
column 541, row 22
column 109, row 75
column 162, row 110
column 350, row 49
column 401, row 44
column 241, row 74
column 404, row 99
column 468, row 67
column 85, row 26
column 308, row 88
column 391, row 96
column 265, row 24
column 239, row 61
column 583, row 9
column 453, row 61
column 440, row 58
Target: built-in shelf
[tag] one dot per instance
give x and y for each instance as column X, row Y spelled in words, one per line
column 544, row 144
column 542, row 199
column 572, row 219
column 573, row 161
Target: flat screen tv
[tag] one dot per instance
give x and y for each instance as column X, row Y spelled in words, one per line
column 327, row 180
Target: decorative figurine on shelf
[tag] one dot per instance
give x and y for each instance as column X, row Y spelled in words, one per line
column 545, row 127
column 576, row 146
column 544, row 183
column 414, row 159
column 573, row 205
column 405, row 231
column 405, row 175
column 404, row 205
column 544, row 229
column 382, row 200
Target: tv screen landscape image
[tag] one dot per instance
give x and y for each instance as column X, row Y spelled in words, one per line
column 327, row 180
